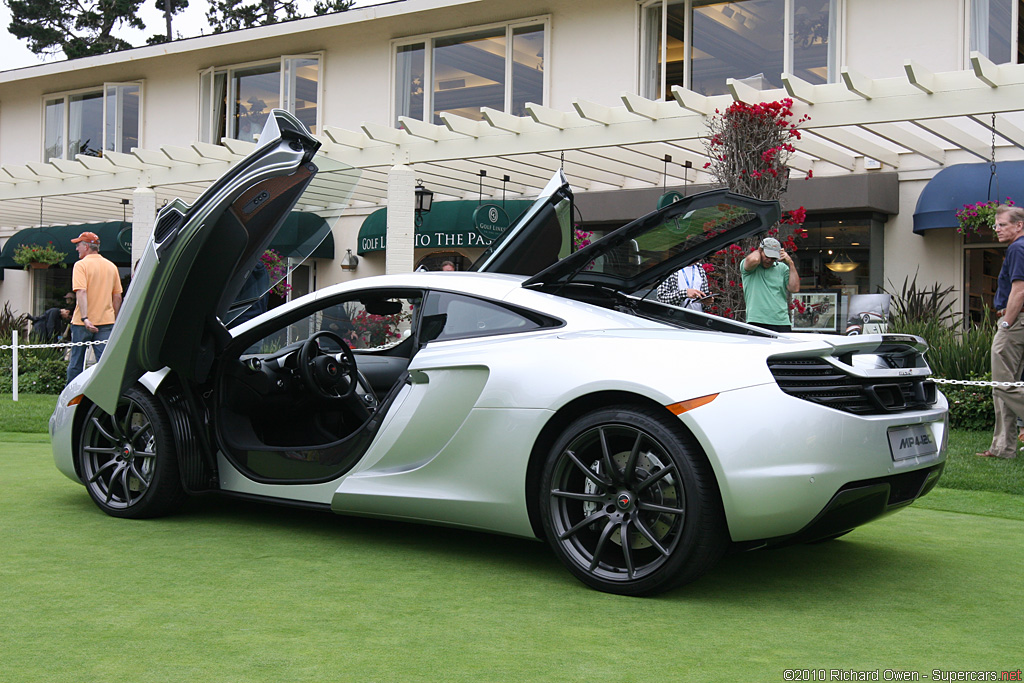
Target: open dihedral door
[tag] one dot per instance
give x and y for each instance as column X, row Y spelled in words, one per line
column 197, row 261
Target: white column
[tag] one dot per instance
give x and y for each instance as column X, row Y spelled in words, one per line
column 401, row 218
column 143, row 220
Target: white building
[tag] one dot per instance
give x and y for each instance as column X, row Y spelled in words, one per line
column 440, row 90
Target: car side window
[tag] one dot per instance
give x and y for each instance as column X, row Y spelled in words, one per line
column 371, row 322
column 454, row 316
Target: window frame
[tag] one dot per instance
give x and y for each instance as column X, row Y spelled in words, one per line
column 647, row 53
column 65, row 98
column 429, row 39
column 540, row 321
column 968, row 33
column 286, row 94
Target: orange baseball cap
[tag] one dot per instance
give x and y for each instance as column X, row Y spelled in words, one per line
column 88, row 237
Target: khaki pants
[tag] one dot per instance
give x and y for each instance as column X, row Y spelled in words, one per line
column 1008, row 402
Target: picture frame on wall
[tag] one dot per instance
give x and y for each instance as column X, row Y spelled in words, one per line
column 815, row 311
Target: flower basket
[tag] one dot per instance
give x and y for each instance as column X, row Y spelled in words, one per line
column 976, row 219
column 277, row 270
column 37, row 256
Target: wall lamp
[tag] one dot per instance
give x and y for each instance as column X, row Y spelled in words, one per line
column 424, row 199
column 349, row 261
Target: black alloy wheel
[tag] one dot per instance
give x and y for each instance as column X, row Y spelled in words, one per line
column 630, row 504
column 128, row 460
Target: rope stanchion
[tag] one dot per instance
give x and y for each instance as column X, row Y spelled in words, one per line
column 976, row 383
column 14, row 347
column 7, row 347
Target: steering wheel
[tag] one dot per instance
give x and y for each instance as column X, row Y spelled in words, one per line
column 322, row 373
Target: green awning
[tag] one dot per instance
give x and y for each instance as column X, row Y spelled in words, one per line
column 448, row 225
column 115, row 241
column 304, row 234
column 301, row 232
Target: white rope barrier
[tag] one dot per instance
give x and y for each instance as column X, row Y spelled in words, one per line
column 976, row 383
column 14, row 346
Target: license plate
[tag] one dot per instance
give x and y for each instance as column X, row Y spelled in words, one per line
column 911, row 442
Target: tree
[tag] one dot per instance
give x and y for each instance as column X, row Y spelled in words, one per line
column 750, row 147
column 169, row 8
column 78, row 28
column 231, row 15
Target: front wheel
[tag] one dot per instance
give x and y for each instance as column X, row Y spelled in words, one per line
column 629, row 503
column 128, row 460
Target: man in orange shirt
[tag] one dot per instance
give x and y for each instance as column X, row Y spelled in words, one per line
column 97, row 286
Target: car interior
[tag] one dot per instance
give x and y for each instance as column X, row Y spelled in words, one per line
column 297, row 396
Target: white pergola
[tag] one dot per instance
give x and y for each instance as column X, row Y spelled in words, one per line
column 912, row 124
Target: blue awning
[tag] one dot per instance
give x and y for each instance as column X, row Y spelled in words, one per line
column 953, row 187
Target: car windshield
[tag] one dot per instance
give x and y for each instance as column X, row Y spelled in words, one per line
column 641, row 253
column 666, row 239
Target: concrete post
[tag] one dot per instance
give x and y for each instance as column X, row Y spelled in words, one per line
column 401, row 217
column 143, row 220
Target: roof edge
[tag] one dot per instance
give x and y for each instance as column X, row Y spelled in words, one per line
column 390, row 8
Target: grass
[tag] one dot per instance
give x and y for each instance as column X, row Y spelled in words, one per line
column 30, row 413
column 243, row 592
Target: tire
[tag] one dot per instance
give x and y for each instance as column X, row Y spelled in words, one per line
column 645, row 532
column 128, row 461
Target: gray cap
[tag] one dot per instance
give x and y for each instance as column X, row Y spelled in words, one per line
column 771, row 247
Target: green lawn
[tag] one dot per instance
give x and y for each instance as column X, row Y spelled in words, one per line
column 229, row 591
column 29, row 413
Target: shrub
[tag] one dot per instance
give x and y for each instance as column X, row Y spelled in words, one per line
column 970, row 407
column 913, row 304
column 38, row 373
column 9, row 321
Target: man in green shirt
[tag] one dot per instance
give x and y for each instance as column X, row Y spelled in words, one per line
column 769, row 277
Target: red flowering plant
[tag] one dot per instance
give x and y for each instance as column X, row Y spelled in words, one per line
column 750, row 146
column 277, row 270
column 27, row 254
column 374, row 331
column 581, row 238
column 977, row 218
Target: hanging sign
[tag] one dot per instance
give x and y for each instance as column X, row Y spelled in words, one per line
column 491, row 221
column 124, row 239
column 668, row 198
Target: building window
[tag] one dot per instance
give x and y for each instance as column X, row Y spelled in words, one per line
column 698, row 44
column 234, row 102
column 983, row 258
column 92, row 121
column 500, row 67
column 837, row 255
column 993, row 26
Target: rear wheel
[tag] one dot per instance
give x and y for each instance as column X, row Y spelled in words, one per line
column 128, row 461
column 629, row 504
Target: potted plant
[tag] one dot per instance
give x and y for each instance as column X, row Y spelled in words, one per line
column 975, row 218
column 37, row 256
column 277, row 270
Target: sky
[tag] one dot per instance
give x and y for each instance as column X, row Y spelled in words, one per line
column 190, row 23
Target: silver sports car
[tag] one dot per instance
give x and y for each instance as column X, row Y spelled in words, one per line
column 546, row 395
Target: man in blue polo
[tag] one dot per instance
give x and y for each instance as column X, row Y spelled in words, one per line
column 769, row 277
column 1008, row 343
